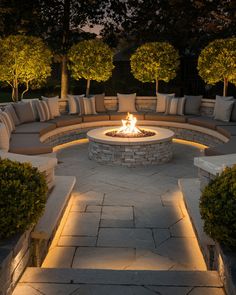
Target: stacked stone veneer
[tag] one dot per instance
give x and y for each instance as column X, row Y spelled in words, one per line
column 131, row 155
column 15, row 256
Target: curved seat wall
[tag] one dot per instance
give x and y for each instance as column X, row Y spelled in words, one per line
column 183, row 131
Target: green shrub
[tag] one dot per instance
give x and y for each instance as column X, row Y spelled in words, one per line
column 218, row 208
column 23, row 192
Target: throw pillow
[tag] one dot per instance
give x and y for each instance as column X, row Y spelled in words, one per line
column 161, row 101
column 175, row 106
column 53, row 105
column 74, row 103
column 89, row 106
column 24, row 112
column 6, row 120
column 192, row 104
column 223, row 108
column 9, row 109
column 33, row 102
column 220, row 99
column 4, row 138
column 126, row 103
column 43, row 111
column 99, row 103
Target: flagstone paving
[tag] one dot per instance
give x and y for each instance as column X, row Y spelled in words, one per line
column 126, row 218
column 127, row 221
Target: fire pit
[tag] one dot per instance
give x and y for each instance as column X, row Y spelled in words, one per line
column 130, row 145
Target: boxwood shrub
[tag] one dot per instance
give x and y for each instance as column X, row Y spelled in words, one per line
column 218, row 208
column 23, row 193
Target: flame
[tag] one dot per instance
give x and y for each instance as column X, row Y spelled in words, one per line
column 129, row 125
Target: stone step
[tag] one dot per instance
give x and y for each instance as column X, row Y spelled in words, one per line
column 121, row 277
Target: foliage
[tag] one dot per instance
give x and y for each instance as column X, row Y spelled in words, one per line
column 155, row 61
column 23, row 192
column 218, row 207
column 24, row 60
column 188, row 25
column 217, row 61
column 91, row 60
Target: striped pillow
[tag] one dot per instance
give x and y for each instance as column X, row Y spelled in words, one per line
column 53, row 105
column 43, row 111
column 74, row 103
column 7, row 121
column 89, row 106
column 175, row 106
column 9, row 109
column 4, row 138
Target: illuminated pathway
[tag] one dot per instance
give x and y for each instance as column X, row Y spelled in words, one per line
column 126, row 219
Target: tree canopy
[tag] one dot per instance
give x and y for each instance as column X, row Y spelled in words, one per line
column 91, row 60
column 24, row 60
column 217, row 62
column 155, row 61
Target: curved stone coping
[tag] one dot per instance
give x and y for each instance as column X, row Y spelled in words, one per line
column 84, row 127
column 99, row 135
column 88, row 125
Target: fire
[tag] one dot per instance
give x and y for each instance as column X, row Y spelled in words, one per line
column 129, row 125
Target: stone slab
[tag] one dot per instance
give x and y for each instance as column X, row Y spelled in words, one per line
column 185, row 251
column 114, row 277
column 103, row 258
column 122, row 237
column 59, row 257
column 215, row 164
column 77, row 241
column 190, row 188
column 81, row 224
column 56, row 204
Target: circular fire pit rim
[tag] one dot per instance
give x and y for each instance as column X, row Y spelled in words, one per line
column 99, row 135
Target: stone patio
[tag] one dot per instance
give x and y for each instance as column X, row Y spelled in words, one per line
column 125, row 219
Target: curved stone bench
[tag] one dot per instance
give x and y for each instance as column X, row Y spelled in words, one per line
column 40, row 138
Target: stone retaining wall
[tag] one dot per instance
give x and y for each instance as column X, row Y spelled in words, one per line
column 146, row 104
column 15, row 256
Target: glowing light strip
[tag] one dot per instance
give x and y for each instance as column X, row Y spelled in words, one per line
column 68, row 144
column 192, row 143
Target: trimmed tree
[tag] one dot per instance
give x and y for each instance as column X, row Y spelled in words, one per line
column 91, row 60
column 24, row 60
column 155, row 61
column 217, row 61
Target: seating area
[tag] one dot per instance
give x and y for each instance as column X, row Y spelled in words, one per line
column 28, row 134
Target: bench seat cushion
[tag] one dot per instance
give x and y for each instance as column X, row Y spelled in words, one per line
column 94, row 118
column 35, row 127
column 203, row 122
column 122, row 116
column 28, row 144
column 222, row 149
column 66, row 120
column 162, row 117
column 227, row 131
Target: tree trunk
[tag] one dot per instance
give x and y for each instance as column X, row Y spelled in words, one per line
column 88, row 88
column 64, row 77
column 156, row 86
column 225, row 86
column 15, row 93
column 65, row 43
column 26, row 90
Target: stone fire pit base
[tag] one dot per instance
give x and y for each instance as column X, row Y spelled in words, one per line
column 130, row 152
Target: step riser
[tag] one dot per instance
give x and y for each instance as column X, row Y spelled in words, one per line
column 116, row 277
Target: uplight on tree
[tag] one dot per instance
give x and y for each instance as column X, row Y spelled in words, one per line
column 91, row 60
column 217, row 62
column 24, row 60
column 155, row 61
